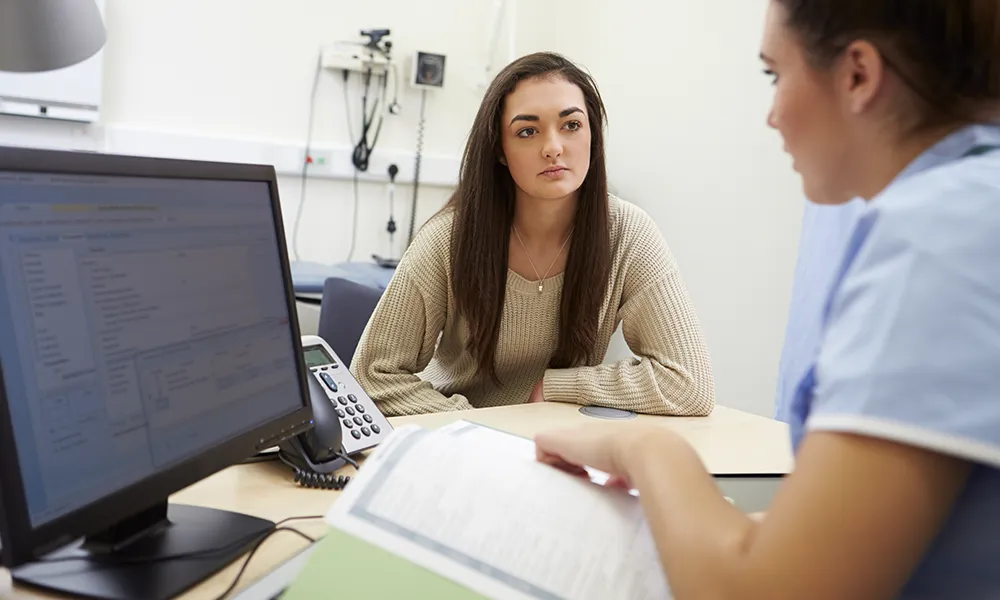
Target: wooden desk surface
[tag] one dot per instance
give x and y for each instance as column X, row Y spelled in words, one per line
column 728, row 441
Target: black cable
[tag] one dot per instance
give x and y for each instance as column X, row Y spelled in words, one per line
column 390, row 226
column 279, row 526
column 260, row 542
column 383, row 98
column 310, row 479
column 320, row 481
column 380, row 100
column 347, row 459
column 359, row 157
column 290, row 519
column 261, row 457
column 194, row 554
column 305, row 159
column 416, row 166
column 363, row 149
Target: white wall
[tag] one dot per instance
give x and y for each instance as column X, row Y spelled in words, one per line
column 240, row 72
column 688, row 142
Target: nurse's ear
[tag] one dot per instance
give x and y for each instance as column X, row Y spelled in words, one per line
column 861, row 77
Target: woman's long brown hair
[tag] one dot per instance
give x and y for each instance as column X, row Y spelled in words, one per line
column 483, row 207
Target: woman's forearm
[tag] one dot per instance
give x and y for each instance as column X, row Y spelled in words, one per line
column 417, row 397
column 700, row 536
column 644, row 386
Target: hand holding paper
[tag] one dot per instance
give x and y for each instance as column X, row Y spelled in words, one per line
column 604, row 446
column 473, row 504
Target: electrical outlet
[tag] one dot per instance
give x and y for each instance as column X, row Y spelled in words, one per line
column 354, row 57
column 319, row 158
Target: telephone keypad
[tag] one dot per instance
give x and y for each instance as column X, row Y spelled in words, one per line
column 357, row 412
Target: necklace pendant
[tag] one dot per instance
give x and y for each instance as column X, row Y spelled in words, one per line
column 539, row 288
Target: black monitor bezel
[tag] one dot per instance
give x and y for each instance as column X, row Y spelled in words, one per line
column 21, row 542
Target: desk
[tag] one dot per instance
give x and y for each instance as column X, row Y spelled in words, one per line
column 728, row 441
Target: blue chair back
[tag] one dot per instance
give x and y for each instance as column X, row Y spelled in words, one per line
column 344, row 313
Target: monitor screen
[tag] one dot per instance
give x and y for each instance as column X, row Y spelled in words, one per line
column 142, row 321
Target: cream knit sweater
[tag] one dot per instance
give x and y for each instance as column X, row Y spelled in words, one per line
column 411, row 358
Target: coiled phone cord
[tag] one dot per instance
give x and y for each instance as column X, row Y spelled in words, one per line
column 323, row 481
column 416, row 166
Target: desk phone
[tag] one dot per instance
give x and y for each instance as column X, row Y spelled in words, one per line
column 362, row 422
column 345, row 421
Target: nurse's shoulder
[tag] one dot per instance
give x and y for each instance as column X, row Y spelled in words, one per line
column 950, row 211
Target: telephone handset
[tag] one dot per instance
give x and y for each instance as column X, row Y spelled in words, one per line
column 346, row 420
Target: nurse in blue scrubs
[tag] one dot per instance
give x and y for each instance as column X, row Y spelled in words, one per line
column 825, row 231
column 896, row 420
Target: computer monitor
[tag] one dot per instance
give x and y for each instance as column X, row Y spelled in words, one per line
column 148, row 339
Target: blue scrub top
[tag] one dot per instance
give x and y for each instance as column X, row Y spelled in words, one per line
column 825, row 231
column 910, row 349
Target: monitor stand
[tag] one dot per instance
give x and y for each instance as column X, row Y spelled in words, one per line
column 133, row 560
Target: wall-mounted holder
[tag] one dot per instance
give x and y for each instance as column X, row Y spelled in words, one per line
column 428, row 70
column 347, row 56
column 374, row 55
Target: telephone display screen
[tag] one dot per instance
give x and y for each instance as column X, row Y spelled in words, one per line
column 316, row 356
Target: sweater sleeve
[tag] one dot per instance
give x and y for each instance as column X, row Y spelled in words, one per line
column 401, row 336
column 671, row 372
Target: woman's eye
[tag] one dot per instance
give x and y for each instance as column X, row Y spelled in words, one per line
column 526, row 132
column 574, row 125
column 772, row 75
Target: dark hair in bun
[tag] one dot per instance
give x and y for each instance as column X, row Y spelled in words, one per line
column 946, row 51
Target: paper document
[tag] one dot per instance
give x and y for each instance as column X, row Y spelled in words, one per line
column 506, row 442
column 472, row 504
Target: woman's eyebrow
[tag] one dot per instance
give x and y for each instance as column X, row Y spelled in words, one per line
column 564, row 113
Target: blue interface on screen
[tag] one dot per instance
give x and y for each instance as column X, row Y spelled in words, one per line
column 142, row 322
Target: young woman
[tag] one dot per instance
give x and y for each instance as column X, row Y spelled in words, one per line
column 512, row 293
column 896, row 491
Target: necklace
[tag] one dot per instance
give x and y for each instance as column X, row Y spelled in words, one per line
column 541, row 278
